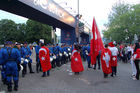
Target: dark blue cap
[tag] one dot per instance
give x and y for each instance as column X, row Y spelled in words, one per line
column 40, row 42
column 25, row 42
column 8, row 42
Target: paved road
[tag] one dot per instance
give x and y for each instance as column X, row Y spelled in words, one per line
column 62, row 80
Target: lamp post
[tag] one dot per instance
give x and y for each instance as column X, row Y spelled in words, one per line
column 77, row 23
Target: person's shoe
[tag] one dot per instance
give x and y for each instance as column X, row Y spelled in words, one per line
column 9, row 88
column 4, row 81
column 90, row 67
column 37, row 71
column 112, row 75
column 23, row 75
column 32, row 72
column 134, row 78
column 94, row 68
column 16, row 88
column 43, row 75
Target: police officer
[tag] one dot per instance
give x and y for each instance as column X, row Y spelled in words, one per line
column 11, row 57
column 56, row 51
column 3, row 68
column 27, row 56
column 99, row 62
column 38, row 65
column 87, row 52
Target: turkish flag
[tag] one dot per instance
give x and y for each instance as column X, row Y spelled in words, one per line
column 106, row 61
column 44, row 57
column 76, row 62
column 96, row 43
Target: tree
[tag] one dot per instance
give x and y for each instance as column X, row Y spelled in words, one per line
column 35, row 31
column 124, row 22
column 8, row 30
column 32, row 31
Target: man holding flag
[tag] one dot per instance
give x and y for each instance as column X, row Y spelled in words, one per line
column 95, row 43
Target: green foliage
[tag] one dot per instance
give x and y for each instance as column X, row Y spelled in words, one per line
column 124, row 22
column 31, row 31
column 36, row 31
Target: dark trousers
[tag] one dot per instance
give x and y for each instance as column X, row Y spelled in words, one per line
column 24, row 71
column 98, row 58
column 53, row 63
column 48, row 73
column 30, row 66
column 114, row 70
column 63, row 60
column 137, row 68
column 105, row 75
column 38, row 66
column 129, row 55
column 89, row 61
column 57, row 62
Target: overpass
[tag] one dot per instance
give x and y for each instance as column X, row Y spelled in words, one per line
column 44, row 11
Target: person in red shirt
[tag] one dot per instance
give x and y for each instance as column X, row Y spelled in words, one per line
column 136, row 59
column 44, row 57
column 106, row 61
column 76, row 61
column 114, row 53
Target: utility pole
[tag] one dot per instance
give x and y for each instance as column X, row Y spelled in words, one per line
column 77, row 24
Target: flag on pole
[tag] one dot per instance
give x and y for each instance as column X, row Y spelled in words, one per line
column 96, row 43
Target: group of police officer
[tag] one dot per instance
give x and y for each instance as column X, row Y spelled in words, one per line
column 14, row 57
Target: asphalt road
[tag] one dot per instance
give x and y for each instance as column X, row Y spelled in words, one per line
column 62, row 80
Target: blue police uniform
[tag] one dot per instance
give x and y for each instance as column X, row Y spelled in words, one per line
column 87, row 56
column 11, row 57
column 28, row 52
column 83, row 52
column 61, row 51
column 56, row 51
column 38, row 65
column 3, row 69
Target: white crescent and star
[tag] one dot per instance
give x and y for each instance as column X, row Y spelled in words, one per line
column 114, row 58
column 43, row 58
column 76, row 59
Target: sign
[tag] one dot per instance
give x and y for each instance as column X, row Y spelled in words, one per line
column 52, row 9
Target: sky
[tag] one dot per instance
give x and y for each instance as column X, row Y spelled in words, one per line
column 99, row 9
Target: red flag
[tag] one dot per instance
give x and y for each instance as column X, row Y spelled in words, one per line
column 76, row 62
column 106, row 61
column 96, row 43
column 44, row 57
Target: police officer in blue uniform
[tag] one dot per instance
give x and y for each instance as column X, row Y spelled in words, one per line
column 3, row 68
column 51, row 54
column 87, row 51
column 11, row 57
column 56, row 51
column 38, row 64
column 83, row 52
column 27, row 56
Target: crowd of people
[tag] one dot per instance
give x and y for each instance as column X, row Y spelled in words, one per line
column 15, row 57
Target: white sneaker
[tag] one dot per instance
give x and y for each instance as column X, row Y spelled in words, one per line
column 134, row 78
